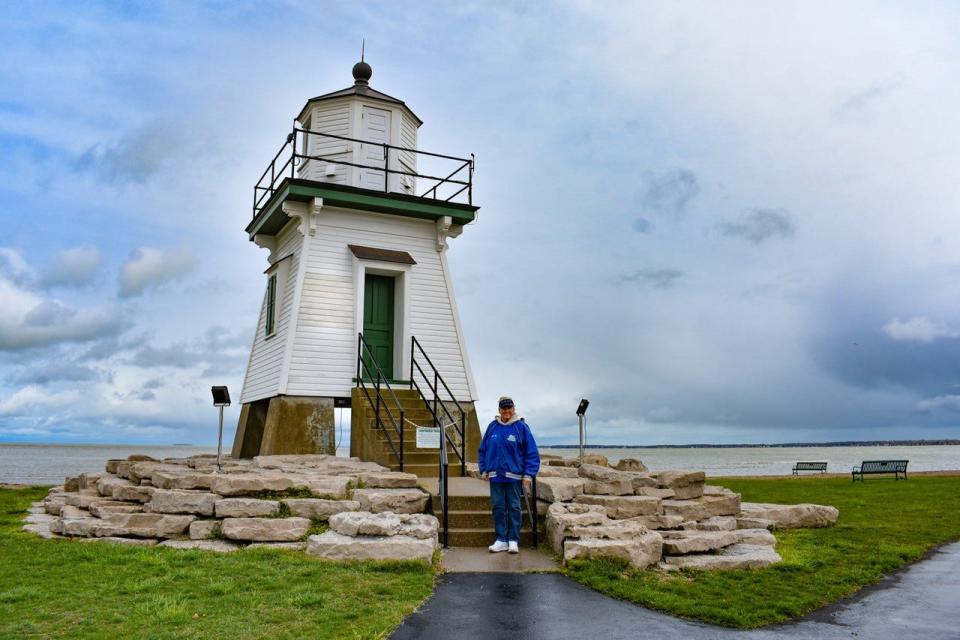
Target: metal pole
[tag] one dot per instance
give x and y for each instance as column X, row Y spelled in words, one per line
column 220, row 439
column 583, row 419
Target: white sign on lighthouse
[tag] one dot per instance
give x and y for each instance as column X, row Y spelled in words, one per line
column 358, row 300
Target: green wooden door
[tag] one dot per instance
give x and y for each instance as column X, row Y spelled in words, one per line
column 378, row 323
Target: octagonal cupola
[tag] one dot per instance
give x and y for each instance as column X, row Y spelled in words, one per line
column 348, row 136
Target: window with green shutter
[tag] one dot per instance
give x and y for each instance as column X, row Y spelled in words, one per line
column 271, row 306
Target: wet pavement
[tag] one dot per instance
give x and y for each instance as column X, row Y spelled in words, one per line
column 921, row 602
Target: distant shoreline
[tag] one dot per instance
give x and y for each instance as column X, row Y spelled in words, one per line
column 786, row 445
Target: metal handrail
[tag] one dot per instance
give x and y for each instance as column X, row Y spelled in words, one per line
column 438, row 404
column 444, row 490
column 264, row 189
column 380, row 400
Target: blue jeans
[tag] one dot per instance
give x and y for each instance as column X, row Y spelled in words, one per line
column 505, row 497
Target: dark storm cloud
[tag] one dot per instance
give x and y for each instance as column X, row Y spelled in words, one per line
column 656, row 278
column 669, row 192
column 760, row 225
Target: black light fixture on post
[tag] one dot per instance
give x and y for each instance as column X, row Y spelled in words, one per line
column 582, row 415
column 221, row 398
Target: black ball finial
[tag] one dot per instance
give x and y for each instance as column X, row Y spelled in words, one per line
column 362, row 72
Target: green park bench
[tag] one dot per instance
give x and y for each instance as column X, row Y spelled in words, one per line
column 809, row 466
column 871, row 467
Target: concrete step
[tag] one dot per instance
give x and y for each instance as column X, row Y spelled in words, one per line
column 463, row 503
column 483, row 537
column 427, row 470
column 478, row 519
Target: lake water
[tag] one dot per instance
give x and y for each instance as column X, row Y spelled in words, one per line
column 50, row 463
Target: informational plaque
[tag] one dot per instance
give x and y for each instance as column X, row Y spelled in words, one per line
column 428, row 438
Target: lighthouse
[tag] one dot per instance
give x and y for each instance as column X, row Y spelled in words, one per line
column 358, row 304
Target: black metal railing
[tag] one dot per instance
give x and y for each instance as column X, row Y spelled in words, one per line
column 285, row 162
column 444, row 492
column 365, row 362
column 438, row 407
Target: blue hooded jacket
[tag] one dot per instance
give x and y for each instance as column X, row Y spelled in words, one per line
column 508, row 451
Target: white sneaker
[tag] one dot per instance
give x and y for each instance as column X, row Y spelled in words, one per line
column 498, row 546
column 513, row 547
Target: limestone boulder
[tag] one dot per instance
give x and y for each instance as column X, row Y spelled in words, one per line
column 621, row 507
column 683, row 542
column 642, row 481
column 133, row 493
column 176, row 501
column 559, row 489
column 754, row 523
column 703, row 507
column 716, row 523
column 364, row 523
column 755, row 537
column 334, row 546
column 71, row 484
column 68, row 511
column 319, row 508
column 639, row 552
column 738, row 556
column 250, row 483
column 166, row 479
column 318, row 463
column 53, row 504
column 561, row 516
column 597, row 459
column 217, row 546
column 83, row 498
column 791, row 516
column 685, row 484
column 88, row 481
column 134, row 542
column 562, row 462
column 419, row 525
column 660, row 521
column 246, row 508
column 656, row 492
column 330, row 487
column 388, row 480
column 630, row 464
column 109, row 482
column 265, row 529
column 394, row 500
column 284, row 546
column 40, row 529
column 111, row 466
column 611, row 530
column 602, row 473
column 143, row 525
column 203, row 529
column 714, row 490
column 548, row 471
column 611, row 488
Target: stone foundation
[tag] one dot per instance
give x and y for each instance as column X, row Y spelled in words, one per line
column 285, row 425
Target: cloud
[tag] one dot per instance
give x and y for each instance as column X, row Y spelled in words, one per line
column 918, row 329
column 220, row 350
column 29, row 320
column 71, row 268
column 669, row 192
column 642, row 225
column 868, row 96
column 14, row 268
column 760, row 225
column 948, row 402
column 132, row 159
column 656, row 278
column 150, row 267
column 33, row 397
column 54, row 370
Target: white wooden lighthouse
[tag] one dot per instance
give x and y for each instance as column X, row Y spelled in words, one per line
column 358, row 306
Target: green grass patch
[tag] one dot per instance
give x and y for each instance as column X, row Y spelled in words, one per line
column 69, row 589
column 883, row 525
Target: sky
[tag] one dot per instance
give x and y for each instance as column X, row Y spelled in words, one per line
column 720, row 222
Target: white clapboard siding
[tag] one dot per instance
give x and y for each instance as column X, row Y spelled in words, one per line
column 323, row 361
column 331, row 117
column 408, row 159
column 266, row 357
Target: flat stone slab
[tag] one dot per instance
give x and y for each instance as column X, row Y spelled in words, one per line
column 319, row 508
column 134, row 542
column 683, row 542
column 755, row 536
column 178, row 501
column 556, row 472
column 203, row 529
column 388, row 480
column 246, row 508
column 166, row 479
column 559, row 489
column 331, row 545
column 265, row 529
column 285, row 546
column 738, row 556
column 608, row 488
column 640, row 551
column 791, row 516
column 218, row 546
column 715, row 523
column 703, row 507
column 393, row 500
column 619, row 507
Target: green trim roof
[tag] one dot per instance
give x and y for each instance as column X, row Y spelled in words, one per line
column 272, row 219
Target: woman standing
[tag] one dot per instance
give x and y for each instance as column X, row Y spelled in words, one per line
column 509, row 459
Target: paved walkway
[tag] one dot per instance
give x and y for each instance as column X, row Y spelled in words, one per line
column 921, row 602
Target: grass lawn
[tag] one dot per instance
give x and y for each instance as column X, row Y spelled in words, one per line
column 68, row 589
column 883, row 525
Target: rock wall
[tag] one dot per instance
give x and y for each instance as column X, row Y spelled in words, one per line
column 186, row 503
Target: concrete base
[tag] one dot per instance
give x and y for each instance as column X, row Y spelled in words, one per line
column 480, row 560
column 286, row 425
